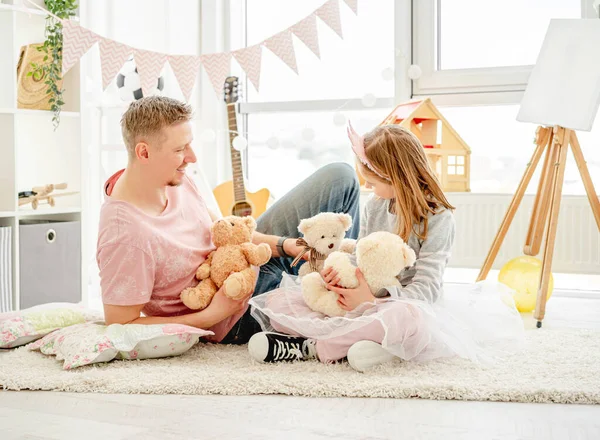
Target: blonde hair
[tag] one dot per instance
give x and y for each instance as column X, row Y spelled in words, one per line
column 146, row 117
column 397, row 154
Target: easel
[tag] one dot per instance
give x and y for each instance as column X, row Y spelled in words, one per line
column 555, row 141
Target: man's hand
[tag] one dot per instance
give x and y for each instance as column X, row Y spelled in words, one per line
column 291, row 248
column 349, row 299
column 222, row 307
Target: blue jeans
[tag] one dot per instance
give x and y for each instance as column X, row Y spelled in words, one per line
column 332, row 188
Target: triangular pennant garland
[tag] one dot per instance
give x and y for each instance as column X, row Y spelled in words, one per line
column 185, row 68
column 78, row 40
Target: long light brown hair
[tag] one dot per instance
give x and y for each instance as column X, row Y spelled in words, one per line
column 398, row 155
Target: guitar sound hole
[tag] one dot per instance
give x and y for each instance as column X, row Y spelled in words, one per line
column 242, row 209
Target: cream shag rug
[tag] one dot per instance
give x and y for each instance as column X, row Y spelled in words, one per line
column 561, row 366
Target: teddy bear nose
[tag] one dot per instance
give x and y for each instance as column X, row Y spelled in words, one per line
column 330, row 245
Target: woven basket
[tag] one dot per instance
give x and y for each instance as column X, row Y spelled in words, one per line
column 31, row 91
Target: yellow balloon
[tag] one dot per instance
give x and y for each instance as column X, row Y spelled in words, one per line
column 522, row 274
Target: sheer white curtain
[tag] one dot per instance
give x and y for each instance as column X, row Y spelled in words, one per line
column 157, row 25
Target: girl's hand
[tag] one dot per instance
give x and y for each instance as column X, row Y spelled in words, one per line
column 330, row 276
column 349, row 299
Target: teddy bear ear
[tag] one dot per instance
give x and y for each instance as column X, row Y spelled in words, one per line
column 250, row 223
column 305, row 225
column 346, row 221
column 409, row 255
column 365, row 245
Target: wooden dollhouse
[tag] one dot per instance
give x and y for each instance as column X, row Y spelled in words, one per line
column 448, row 153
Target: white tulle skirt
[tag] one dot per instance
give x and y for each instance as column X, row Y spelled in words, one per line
column 475, row 321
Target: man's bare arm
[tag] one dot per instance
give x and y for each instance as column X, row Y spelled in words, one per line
column 220, row 308
column 132, row 315
column 289, row 245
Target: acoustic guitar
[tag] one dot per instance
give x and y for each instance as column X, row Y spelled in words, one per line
column 232, row 197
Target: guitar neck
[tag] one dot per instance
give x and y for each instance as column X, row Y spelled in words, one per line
column 239, row 189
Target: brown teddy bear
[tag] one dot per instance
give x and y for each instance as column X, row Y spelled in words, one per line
column 229, row 264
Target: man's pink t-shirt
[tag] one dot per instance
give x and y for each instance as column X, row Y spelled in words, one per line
column 149, row 260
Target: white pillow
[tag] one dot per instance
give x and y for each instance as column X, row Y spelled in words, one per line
column 24, row 326
column 90, row 343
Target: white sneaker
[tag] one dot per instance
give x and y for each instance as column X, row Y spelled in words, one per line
column 364, row 355
column 277, row 347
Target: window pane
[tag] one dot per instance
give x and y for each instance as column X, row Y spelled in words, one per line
column 285, row 148
column 508, row 33
column 501, row 147
column 348, row 68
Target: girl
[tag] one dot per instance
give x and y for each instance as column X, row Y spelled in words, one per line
column 416, row 321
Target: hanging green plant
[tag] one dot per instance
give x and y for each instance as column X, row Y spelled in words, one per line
column 51, row 68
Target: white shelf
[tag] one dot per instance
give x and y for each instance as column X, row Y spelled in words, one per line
column 23, row 111
column 42, row 212
column 33, row 153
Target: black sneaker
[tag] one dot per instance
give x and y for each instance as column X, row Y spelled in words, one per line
column 277, row 347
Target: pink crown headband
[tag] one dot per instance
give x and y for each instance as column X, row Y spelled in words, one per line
column 358, row 146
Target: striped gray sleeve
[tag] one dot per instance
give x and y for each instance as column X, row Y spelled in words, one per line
column 427, row 281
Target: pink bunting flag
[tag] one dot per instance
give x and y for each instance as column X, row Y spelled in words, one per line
column 353, row 4
column 76, row 41
column 281, row 44
column 306, row 31
column 185, row 68
column 112, row 57
column 250, row 60
column 149, row 64
column 330, row 14
column 217, row 68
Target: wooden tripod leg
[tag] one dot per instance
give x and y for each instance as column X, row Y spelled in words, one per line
column 541, row 204
column 585, row 176
column 541, row 140
column 562, row 136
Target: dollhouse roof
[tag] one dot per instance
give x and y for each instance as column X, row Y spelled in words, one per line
column 418, row 111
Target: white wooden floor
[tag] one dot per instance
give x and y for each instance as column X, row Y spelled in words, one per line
column 48, row 415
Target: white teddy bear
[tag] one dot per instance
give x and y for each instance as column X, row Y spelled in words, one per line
column 323, row 234
column 381, row 256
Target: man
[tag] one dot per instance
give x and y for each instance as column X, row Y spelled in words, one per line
column 154, row 227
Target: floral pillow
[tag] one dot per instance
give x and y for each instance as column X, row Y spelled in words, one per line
column 90, row 343
column 22, row 327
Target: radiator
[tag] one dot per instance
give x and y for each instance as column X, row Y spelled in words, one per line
column 478, row 217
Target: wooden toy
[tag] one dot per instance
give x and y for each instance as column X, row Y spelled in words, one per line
column 43, row 193
column 448, row 153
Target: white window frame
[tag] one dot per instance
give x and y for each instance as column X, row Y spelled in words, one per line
column 402, row 85
column 494, row 85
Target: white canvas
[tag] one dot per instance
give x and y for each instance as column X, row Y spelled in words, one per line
column 564, row 86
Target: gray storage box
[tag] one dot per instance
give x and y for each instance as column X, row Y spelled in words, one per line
column 49, row 262
column 6, row 292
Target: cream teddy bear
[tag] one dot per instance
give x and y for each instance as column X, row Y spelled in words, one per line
column 229, row 264
column 323, row 234
column 381, row 256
